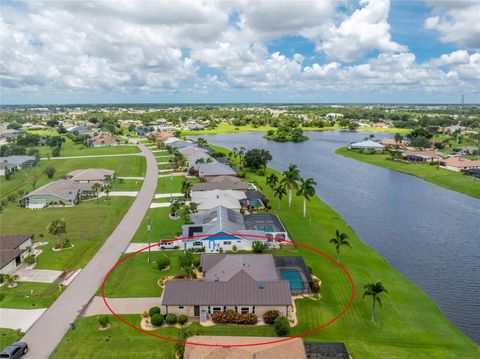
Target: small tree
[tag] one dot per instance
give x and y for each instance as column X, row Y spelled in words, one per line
column 50, row 171
column 103, row 321
column 97, row 187
column 374, row 290
column 257, row 158
column 107, row 189
column 339, row 241
column 57, row 227
column 281, row 326
column 259, row 247
column 10, row 278
column 163, row 262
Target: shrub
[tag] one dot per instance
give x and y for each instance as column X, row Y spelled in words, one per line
column 281, row 326
column 163, row 262
column 30, row 259
column 66, row 243
column 232, row 317
column 261, row 172
column 258, row 247
column 196, row 262
column 241, row 174
column 270, row 316
column 156, row 319
column 171, row 319
column 316, row 286
column 234, row 248
column 50, row 171
column 182, row 319
column 153, row 311
column 103, row 321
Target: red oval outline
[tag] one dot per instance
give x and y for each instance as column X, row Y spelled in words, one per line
column 303, row 334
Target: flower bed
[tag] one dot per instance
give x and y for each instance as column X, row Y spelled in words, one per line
column 232, row 317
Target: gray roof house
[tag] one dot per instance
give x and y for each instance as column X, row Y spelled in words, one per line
column 215, row 168
column 221, row 183
column 13, row 249
column 19, row 161
column 90, row 175
column 62, row 192
column 250, row 285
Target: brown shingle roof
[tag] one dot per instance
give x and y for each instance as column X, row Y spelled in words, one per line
column 12, row 241
column 289, row 349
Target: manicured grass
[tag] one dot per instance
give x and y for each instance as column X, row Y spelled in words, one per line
column 163, row 184
column 88, row 225
column 21, row 180
column 162, row 226
column 9, row 336
column 445, row 178
column 29, row 295
column 127, row 185
column 227, row 128
column 137, row 278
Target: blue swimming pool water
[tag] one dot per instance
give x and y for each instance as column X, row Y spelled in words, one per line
column 294, row 277
column 255, row 203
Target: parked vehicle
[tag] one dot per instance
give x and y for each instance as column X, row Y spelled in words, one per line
column 168, row 245
column 14, row 351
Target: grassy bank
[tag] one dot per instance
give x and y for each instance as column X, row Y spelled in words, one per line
column 448, row 179
column 228, row 128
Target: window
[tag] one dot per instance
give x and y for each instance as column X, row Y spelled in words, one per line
column 227, row 243
column 245, row 310
column 197, row 244
column 253, row 309
column 181, row 307
column 216, row 309
column 239, row 241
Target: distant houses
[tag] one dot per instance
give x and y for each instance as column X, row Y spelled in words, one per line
column 13, row 250
column 422, row 156
column 103, row 140
column 15, row 163
column 459, row 164
column 367, row 144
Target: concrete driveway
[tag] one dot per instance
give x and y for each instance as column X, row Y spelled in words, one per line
column 121, row 305
column 19, row 318
column 133, row 247
column 38, row 275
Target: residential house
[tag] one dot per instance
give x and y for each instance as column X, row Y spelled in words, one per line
column 221, row 183
column 379, row 125
column 179, row 144
column 224, row 347
column 15, row 163
column 5, row 168
column 62, row 192
column 10, row 134
column 422, row 156
column 459, row 164
column 207, row 200
column 214, row 169
column 390, row 142
column 269, row 224
column 13, row 249
column 90, row 175
column 82, row 130
column 254, row 200
column 368, row 144
column 244, row 283
column 470, row 150
column 103, row 140
column 194, row 127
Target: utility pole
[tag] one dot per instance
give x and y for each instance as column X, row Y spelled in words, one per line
column 148, row 231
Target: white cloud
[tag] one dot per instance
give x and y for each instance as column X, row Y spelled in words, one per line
column 457, row 21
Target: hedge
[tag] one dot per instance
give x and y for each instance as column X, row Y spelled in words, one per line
column 232, row 317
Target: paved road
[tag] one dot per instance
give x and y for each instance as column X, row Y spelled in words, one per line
column 48, row 331
column 92, row 156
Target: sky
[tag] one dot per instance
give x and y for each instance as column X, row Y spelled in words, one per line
column 345, row 51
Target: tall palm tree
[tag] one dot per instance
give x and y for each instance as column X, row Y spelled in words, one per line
column 339, row 241
column 186, row 188
column 107, row 189
column 306, row 189
column 279, row 192
column 272, row 180
column 57, row 227
column 374, row 290
column 398, row 138
column 289, row 180
column 97, row 188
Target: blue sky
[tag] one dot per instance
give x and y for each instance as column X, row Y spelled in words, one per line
column 187, row 51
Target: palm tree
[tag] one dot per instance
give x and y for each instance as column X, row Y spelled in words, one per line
column 289, row 180
column 202, row 142
column 186, row 188
column 339, row 241
column 272, row 180
column 10, row 278
column 307, row 190
column 97, row 188
column 374, row 289
column 57, row 227
column 234, row 152
column 398, row 138
column 193, row 207
column 107, row 189
column 174, row 208
column 279, row 192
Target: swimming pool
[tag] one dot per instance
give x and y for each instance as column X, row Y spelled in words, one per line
column 255, row 203
column 294, row 277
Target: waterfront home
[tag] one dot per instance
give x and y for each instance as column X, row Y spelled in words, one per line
column 194, row 127
column 221, row 347
column 459, row 164
column 368, row 144
column 221, row 183
column 422, row 156
column 207, row 200
column 243, row 283
column 18, row 162
column 180, row 144
column 390, row 142
column 254, row 200
column 13, row 250
column 222, row 229
column 91, row 175
column 62, row 192
column 214, row 169
column 103, row 140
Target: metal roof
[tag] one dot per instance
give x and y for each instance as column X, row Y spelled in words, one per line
column 63, row 188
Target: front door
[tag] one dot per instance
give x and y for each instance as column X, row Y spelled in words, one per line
column 196, row 310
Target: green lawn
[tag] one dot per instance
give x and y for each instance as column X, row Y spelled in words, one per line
column 445, row 178
column 137, row 278
column 162, row 226
column 163, row 184
column 29, row 295
column 127, row 185
column 9, row 336
column 123, row 166
column 88, row 225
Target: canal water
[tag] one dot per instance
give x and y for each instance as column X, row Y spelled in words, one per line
column 429, row 234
